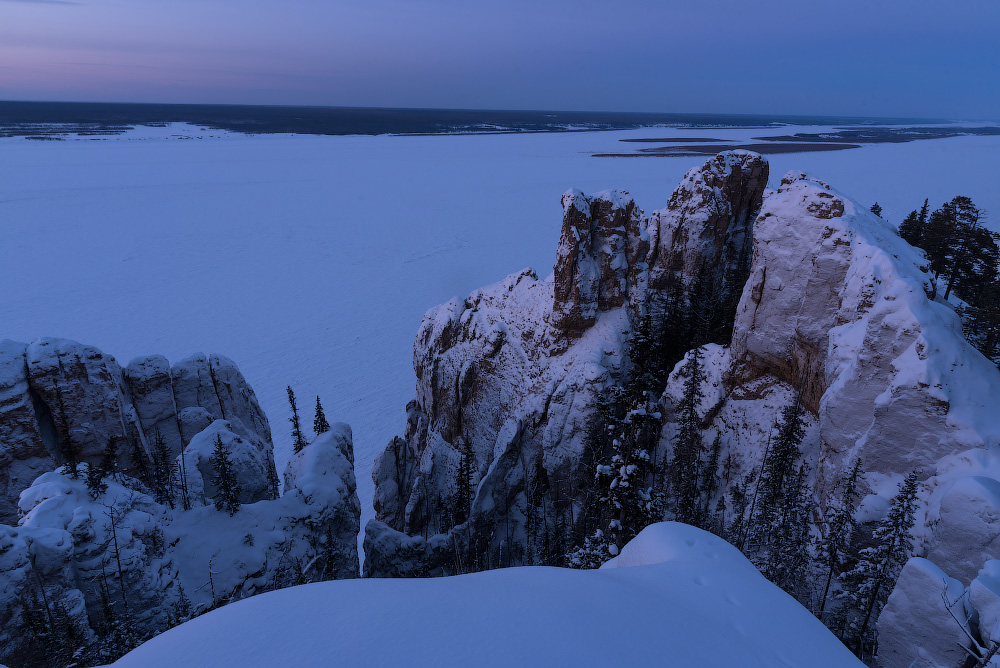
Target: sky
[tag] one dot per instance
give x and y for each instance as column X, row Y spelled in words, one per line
column 840, row 57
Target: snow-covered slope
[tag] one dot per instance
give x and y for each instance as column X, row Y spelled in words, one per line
column 687, row 598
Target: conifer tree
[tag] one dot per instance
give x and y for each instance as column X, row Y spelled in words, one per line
column 320, row 425
column 779, row 463
column 182, row 608
column 710, row 482
column 868, row 584
column 876, row 209
column 464, row 491
column 981, row 322
column 227, row 496
column 688, row 445
column 109, row 459
column 68, row 448
column 298, row 440
column 163, row 471
column 95, row 481
column 840, row 527
column 911, row 229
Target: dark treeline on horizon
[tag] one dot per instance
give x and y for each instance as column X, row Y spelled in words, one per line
column 116, row 117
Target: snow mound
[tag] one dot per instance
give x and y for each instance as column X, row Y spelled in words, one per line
column 674, row 542
column 670, row 613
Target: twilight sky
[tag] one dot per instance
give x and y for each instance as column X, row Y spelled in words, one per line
column 863, row 57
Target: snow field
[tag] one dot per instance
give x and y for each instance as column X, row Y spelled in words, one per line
column 311, row 260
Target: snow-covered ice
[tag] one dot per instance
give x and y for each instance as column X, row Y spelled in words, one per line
column 310, row 260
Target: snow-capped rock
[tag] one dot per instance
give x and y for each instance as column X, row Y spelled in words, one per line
column 513, row 373
column 965, row 528
column 59, row 398
column 708, row 220
column 924, row 633
column 124, row 549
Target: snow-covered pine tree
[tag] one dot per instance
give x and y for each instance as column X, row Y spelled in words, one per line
column 688, row 450
column 789, row 553
column 298, row 440
column 780, row 461
column 95, row 481
column 867, row 586
column 710, row 480
column 109, row 459
column 182, row 606
column 840, row 527
column 320, row 425
column 163, row 471
column 464, row 491
column 227, row 495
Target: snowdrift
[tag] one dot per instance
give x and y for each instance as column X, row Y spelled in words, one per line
column 685, row 591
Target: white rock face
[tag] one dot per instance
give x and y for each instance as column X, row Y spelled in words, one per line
column 924, row 634
column 149, row 384
column 836, row 301
column 966, row 526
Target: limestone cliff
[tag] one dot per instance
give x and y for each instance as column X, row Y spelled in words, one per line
column 510, row 377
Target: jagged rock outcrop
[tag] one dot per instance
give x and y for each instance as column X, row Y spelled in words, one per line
column 602, row 251
column 707, row 225
column 836, row 311
column 510, row 378
column 92, row 560
column 60, row 399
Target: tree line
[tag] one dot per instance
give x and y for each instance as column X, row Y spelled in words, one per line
column 964, row 260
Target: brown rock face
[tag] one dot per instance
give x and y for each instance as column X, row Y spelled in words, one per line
column 708, row 220
column 599, row 248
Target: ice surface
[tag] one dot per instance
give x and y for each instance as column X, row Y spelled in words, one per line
column 702, row 605
column 311, row 260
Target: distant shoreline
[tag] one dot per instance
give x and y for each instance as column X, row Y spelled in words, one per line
column 19, row 119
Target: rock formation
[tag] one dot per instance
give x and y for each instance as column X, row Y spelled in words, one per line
column 96, row 570
column 60, row 399
column 510, row 377
column 825, row 304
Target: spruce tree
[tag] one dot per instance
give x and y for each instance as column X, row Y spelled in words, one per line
column 163, row 471
column 464, row 491
column 981, row 322
column 911, row 229
column 868, row 584
column 779, row 463
column 298, row 440
column 95, row 481
column 688, row 450
column 320, row 425
column 227, row 495
column 840, row 527
column 876, row 209
column 109, row 459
